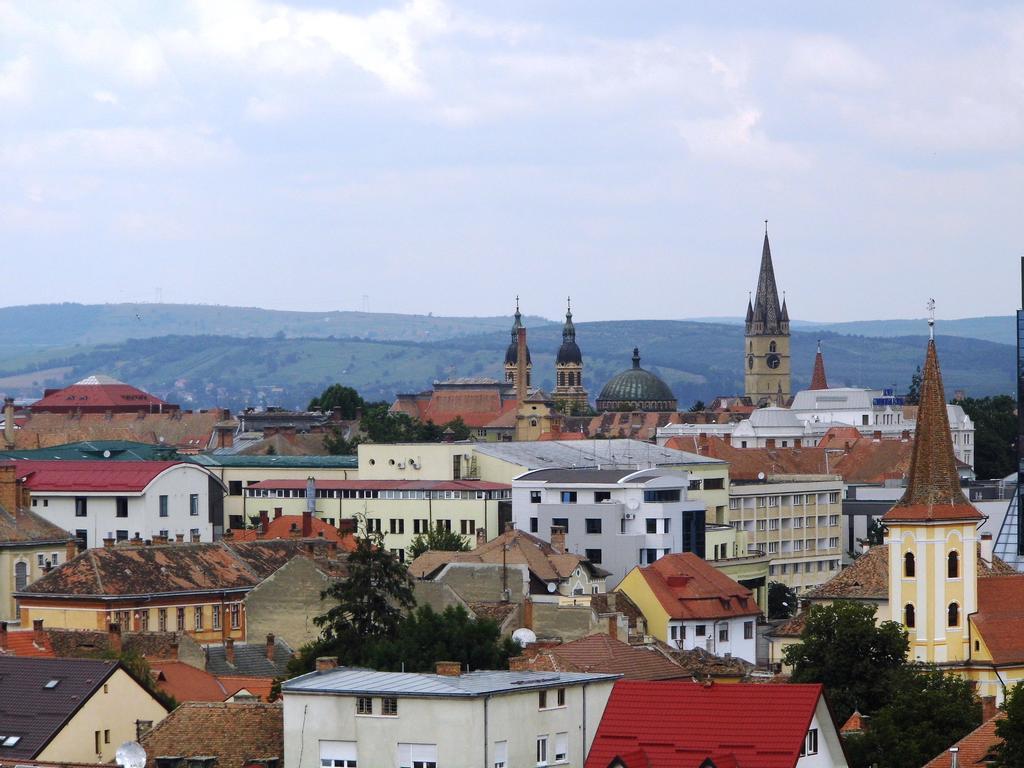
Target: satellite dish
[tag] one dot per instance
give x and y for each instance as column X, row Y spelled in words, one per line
column 106, row 454
column 524, row 636
column 130, row 755
column 760, row 475
column 552, row 586
column 633, row 504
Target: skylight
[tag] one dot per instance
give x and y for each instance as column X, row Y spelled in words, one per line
column 52, row 683
column 9, row 741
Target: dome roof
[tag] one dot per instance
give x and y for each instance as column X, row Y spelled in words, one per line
column 569, row 352
column 636, row 385
column 512, row 353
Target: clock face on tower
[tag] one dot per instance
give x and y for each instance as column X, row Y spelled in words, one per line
column 773, row 361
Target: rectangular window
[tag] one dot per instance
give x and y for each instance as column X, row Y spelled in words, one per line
column 420, row 525
column 652, row 525
column 593, row 525
column 673, row 632
column 236, row 617
column 144, row 620
column 161, row 619
column 798, row 522
column 833, row 541
column 568, row 497
column 664, row 496
column 542, row 699
column 542, row 750
column 833, row 520
column 534, row 525
column 417, row 755
column 198, row 618
column 594, row 556
column 373, row 525
column 773, row 547
column 467, row 527
column 121, row 535
column 501, row 754
column 234, row 487
column 398, row 554
column 561, row 697
column 396, row 525
column 81, row 506
column 443, row 525
column 773, row 525
column 734, row 503
column 181, row 619
column 810, row 745
column 193, row 534
column 700, row 630
column 364, row 705
column 773, row 501
column 193, row 504
column 600, row 496
column 784, row 568
column 338, row 754
column 762, row 501
column 561, row 747
column 97, row 738
column 651, row 555
column 561, row 522
column 723, row 633
column 389, row 706
column 762, row 525
column 215, row 613
column 534, row 499
column 121, row 503
column 163, row 506
column 748, row 630
column 833, row 498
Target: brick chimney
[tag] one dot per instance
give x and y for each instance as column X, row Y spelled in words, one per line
column 229, row 649
column 347, row 526
column 71, row 550
column 307, row 524
column 3, row 635
column 271, row 646
column 114, row 637
column 278, row 511
column 528, row 613
column 326, row 663
column 195, row 538
column 264, row 522
column 448, row 668
column 108, row 542
column 9, row 422
column 9, row 487
column 481, row 536
column 558, row 539
column 38, row 633
column 988, row 708
column 518, row 664
column 613, row 627
column 179, row 538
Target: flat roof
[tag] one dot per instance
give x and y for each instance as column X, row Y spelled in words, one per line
column 632, row 454
column 281, row 462
column 354, row 681
column 592, row 476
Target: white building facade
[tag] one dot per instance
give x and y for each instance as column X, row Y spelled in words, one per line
column 344, row 718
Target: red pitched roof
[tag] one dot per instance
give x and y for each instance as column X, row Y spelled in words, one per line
column 974, row 747
column 96, row 476
column 688, row 588
column 678, row 724
column 1000, row 617
column 187, row 683
column 23, row 643
column 818, row 380
column 100, row 393
column 281, row 528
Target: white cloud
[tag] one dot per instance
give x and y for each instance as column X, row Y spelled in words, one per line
column 15, row 80
column 105, row 97
column 831, row 62
column 739, row 139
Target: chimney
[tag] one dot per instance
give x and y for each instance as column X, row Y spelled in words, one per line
column 877, row 434
column 271, row 646
column 518, row 664
column 481, row 536
column 264, row 522
column 347, row 526
column 71, row 550
column 558, row 539
column 528, row 613
column 307, row 524
column 114, row 637
column 326, row 663
column 38, row 634
column 229, row 650
column 3, row 635
column 179, row 537
column 988, row 708
column 797, row 443
column 448, row 435
column 986, row 547
column 108, row 542
column 278, row 511
column 225, row 437
column 9, row 487
column 521, row 388
column 509, row 526
column 228, row 535
column 613, row 627
column 136, row 540
column 448, row 668
column 9, row 422
column 195, row 538
column 954, row 757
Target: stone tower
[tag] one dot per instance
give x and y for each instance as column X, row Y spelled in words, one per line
column 512, row 353
column 766, row 361
column 569, row 392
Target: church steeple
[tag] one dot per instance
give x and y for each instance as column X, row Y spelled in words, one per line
column 818, row 380
column 766, row 361
column 767, row 313
column 569, row 391
column 512, row 351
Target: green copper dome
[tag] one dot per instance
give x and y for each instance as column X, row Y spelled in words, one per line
column 636, row 390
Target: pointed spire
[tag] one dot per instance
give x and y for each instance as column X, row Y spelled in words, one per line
column 818, row 380
column 636, row 357
column 933, row 485
column 569, row 329
column 784, row 317
column 766, row 302
column 750, row 312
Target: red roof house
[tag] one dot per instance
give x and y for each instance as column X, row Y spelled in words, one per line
column 100, row 394
column 673, row 724
column 91, row 476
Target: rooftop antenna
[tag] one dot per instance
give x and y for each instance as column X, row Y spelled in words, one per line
column 931, row 319
column 766, row 227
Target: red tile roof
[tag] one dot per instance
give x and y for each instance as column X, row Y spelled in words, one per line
column 385, row 485
column 1000, row 617
column 100, row 393
column 182, row 430
column 22, row 642
column 818, row 380
column 678, row 724
column 94, row 476
column 281, row 528
column 187, row 683
column 688, row 588
column 974, row 747
column 234, row 733
column 933, row 484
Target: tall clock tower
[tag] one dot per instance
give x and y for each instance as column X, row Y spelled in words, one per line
column 766, row 361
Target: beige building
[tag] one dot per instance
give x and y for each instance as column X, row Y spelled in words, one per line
column 795, row 520
column 766, row 359
column 71, row 710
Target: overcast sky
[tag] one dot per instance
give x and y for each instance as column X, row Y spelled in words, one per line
column 441, row 156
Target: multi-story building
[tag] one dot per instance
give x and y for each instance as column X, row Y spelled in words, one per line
column 400, row 509
column 796, row 520
column 349, row 717
column 94, row 500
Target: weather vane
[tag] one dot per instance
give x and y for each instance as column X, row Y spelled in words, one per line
column 931, row 319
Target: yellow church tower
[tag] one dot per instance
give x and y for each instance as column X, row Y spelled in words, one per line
column 766, row 362
column 933, row 536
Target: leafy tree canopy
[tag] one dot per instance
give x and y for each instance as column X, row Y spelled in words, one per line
column 913, row 395
column 438, row 539
column 381, row 426
column 338, row 396
column 995, row 434
column 782, row 601
column 1010, row 729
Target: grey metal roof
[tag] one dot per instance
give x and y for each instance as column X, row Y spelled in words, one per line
column 593, row 476
column 590, row 453
column 250, row 660
column 35, row 713
column 284, row 462
column 353, row 681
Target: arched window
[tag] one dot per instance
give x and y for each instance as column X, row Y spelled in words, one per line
column 908, row 616
column 953, row 565
column 908, row 565
column 953, row 615
column 771, row 347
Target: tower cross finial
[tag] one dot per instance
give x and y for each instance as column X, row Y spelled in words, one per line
column 766, row 227
column 931, row 319
column 568, row 303
column 517, row 302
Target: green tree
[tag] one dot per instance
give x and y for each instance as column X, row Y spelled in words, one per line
column 381, row 426
column 1010, row 753
column 842, row 648
column 928, row 710
column 338, row 396
column 782, row 601
column 698, row 406
column 876, row 533
column 438, row 539
column 336, row 444
column 995, row 434
column 370, row 601
column 913, row 395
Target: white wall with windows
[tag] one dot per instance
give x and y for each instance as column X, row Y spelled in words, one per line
column 177, row 501
column 736, row 636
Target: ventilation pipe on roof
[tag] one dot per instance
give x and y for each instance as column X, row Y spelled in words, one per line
column 954, row 757
column 9, row 422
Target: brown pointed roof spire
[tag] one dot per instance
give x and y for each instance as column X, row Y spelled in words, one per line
column 933, row 486
column 818, row 380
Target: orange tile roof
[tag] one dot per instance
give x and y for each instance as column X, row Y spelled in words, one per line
column 1000, row 617
column 187, row 683
column 22, row 642
column 281, row 528
column 186, row 431
column 235, row 733
column 854, row 724
column 933, row 483
column 688, row 588
column 974, row 747
column 818, row 380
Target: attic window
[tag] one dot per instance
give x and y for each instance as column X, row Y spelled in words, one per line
column 9, row 741
column 52, row 684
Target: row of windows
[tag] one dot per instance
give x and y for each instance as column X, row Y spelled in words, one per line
column 952, row 615
column 396, row 525
column 775, row 523
column 677, row 632
column 808, row 567
column 952, row 565
column 300, row 493
column 792, row 500
column 388, row 706
column 132, row 619
column 595, row 525
column 121, row 505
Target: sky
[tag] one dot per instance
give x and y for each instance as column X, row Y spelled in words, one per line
column 441, row 156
